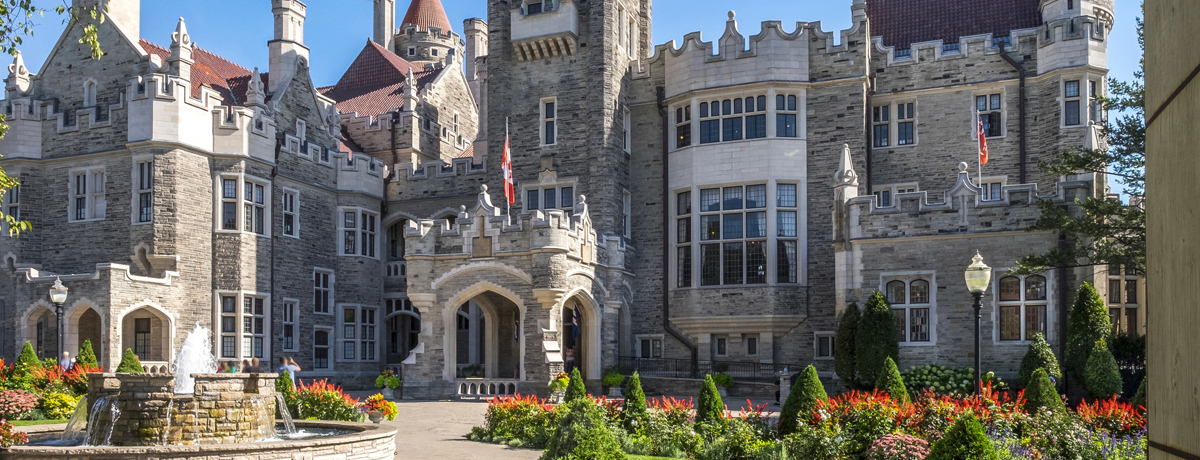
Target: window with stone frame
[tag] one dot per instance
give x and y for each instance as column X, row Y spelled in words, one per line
column 626, row 214
column 1072, row 102
column 229, row 326
column 549, row 125
column 989, row 108
column 322, row 290
column 358, row 232
column 229, row 204
column 144, row 170
column 253, row 327
column 1123, row 301
column 358, row 338
column 786, row 225
column 12, row 202
column 823, row 346
column 883, row 197
column 710, row 122
column 912, row 307
column 1095, row 109
column 141, row 336
column 254, row 207
column 683, row 239
column 538, row 6
column 906, row 122
column 290, row 221
column 321, row 348
column 1022, row 307
column 721, row 346
column 243, row 330
column 785, row 115
column 683, row 126
column 547, row 197
column 289, row 325
column 87, row 194
column 733, row 233
column 992, row 190
column 880, row 125
column 626, row 130
column 751, row 346
column 649, row 347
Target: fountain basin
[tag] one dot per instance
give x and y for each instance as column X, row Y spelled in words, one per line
column 364, row 441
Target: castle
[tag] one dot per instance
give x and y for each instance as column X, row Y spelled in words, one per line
column 681, row 204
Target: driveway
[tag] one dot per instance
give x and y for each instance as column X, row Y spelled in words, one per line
column 436, row 430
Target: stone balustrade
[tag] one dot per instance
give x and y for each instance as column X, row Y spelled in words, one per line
column 486, row 388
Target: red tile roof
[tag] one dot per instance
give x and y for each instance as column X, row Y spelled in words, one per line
column 425, row 14
column 374, row 82
column 346, row 144
column 468, row 153
column 208, row 69
column 904, row 22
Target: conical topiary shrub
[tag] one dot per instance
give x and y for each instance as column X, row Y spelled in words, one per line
column 575, row 388
column 1041, row 393
column 1087, row 323
column 966, row 440
column 709, row 407
column 1102, row 377
column 1039, row 356
column 635, row 402
column 876, row 338
column 86, row 356
column 890, row 381
column 843, row 345
column 801, row 401
column 28, row 357
column 130, row 363
column 1139, row 398
column 583, row 433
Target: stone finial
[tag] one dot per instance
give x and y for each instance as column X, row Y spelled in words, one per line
column 845, row 174
column 18, row 77
column 731, row 14
column 181, row 38
column 256, row 92
column 962, row 166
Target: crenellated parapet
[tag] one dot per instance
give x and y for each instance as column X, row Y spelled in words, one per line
column 966, row 47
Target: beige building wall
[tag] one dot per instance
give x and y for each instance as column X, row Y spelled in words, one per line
column 1173, row 256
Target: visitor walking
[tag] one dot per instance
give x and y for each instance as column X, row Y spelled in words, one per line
column 285, row 365
column 66, row 362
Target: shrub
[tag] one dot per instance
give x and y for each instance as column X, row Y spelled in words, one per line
column 934, row 414
column 966, row 440
column 1058, row 435
column 130, row 363
column 387, row 378
column 29, row 357
column 1139, row 398
column 76, row 379
column 860, row 418
column 898, row 447
column 635, row 402
column 9, row 436
column 612, row 378
column 1088, row 322
column 1038, row 356
column 86, row 356
column 801, row 400
column 815, row 442
column 377, row 403
column 876, row 338
column 1129, row 349
column 521, row 417
column 890, row 381
column 560, row 382
column 283, row 386
column 583, row 434
column 940, row 379
column 59, row 405
column 1102, row 378
column 1041, row 393
column 321, row 400
column 709, row 407
column 723, row 380
column 844, row 343
column 16, row 404
column 575, row 389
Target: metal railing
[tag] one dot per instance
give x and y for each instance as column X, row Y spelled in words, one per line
column 682, row 368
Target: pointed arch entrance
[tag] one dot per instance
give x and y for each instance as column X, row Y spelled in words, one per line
column 580, row 334
column 484, row 337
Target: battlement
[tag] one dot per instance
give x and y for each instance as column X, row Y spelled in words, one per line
column 360, row 173
column 437, row 169
column 967, row 46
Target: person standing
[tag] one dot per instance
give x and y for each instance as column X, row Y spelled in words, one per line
column 66, row 362
column 255, row 366
column 294, row 369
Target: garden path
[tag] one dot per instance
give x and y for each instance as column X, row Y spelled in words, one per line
column 436, row 430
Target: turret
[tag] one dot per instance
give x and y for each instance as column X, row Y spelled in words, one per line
column 385, row 24
column 288, row 46
column 1073, row 33
column 425, row 34
column 125, row 14
column 477, row 39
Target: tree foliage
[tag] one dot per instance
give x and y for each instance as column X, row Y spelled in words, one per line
column 1104, row 230
column 709, row 407
column 583, row 434
column 86, row 355
column 1139, row 398
column 801, row 400
column 1087, row 323
column 966, row 440
column 1041, row 393
column 844, row 343
column 635, row 402
column 876, row 338
column 1039, row 356
column 890, row 381
column 1102, row 378
column 130, row 363
column 575, row 388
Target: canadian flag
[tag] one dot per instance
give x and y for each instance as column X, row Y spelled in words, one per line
column 506, row 165
column 983, row 153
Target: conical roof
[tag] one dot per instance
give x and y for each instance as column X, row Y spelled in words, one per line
column 425, row 14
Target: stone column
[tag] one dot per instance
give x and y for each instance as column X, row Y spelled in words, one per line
column 429, row 356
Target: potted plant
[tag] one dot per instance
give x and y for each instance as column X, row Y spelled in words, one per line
column 723, row 381
column 558, row 387
column 612, row 381
column 387, row 381
column 377, row 407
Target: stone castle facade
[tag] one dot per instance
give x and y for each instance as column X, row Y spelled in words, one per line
column 696, row 202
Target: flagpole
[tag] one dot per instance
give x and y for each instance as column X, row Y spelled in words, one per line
column 507, row 203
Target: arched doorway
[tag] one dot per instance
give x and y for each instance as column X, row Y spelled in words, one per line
column 403, row 329
column 487, row 340
column 147, row 332
column 580, row 337
column 41, row 330
column 84, row 323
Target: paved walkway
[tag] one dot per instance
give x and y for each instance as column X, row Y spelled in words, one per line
column 437, row 430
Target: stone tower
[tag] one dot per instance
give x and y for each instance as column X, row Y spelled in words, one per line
column 385, row 23
column 559, row 73
column 426, row 36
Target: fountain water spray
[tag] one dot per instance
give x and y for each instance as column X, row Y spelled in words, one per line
column 195, row 357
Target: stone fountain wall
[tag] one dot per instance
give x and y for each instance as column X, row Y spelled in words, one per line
column 225, row 408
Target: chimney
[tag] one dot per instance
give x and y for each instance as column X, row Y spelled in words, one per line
column 477, row 38
column 180, row 62
column 385, row 24
column 287, row 49
column 125, row 14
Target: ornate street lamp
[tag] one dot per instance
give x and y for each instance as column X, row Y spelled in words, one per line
column 58, row 296
column 978, row 276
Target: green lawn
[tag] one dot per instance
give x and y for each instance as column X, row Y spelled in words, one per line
column 37, row 422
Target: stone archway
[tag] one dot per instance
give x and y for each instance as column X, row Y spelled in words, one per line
column 148, row 332
column 85, row 323
column 488, row 327
column 579, row 327
column 41, row 331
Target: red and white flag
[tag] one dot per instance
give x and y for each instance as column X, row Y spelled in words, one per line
column 983, row 153
column 506, row 165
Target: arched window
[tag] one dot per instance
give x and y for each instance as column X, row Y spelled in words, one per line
column 89, row 93
column 918, row 292
column 911, row 306
column 896, row 292
column 1010, row 288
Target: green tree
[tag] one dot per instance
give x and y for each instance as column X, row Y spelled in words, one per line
column 635, row 402
column 966, row 440
column 575, row 388
column 1105, row 230
column 130, row 363
column 709, row 407
column 890, row 381
column 1039, row 356
column 1041, row 393
column 86, row 356
column 583, row 434
column 16, row 23
column 1139, row 398
column 876, row 338
column 1102, row 377
column 844, row 343
column 1087, row 323
column 801, row 400
column 28, row 358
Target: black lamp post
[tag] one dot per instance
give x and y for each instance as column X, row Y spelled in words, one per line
column 58, row 296
column 978, row 277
